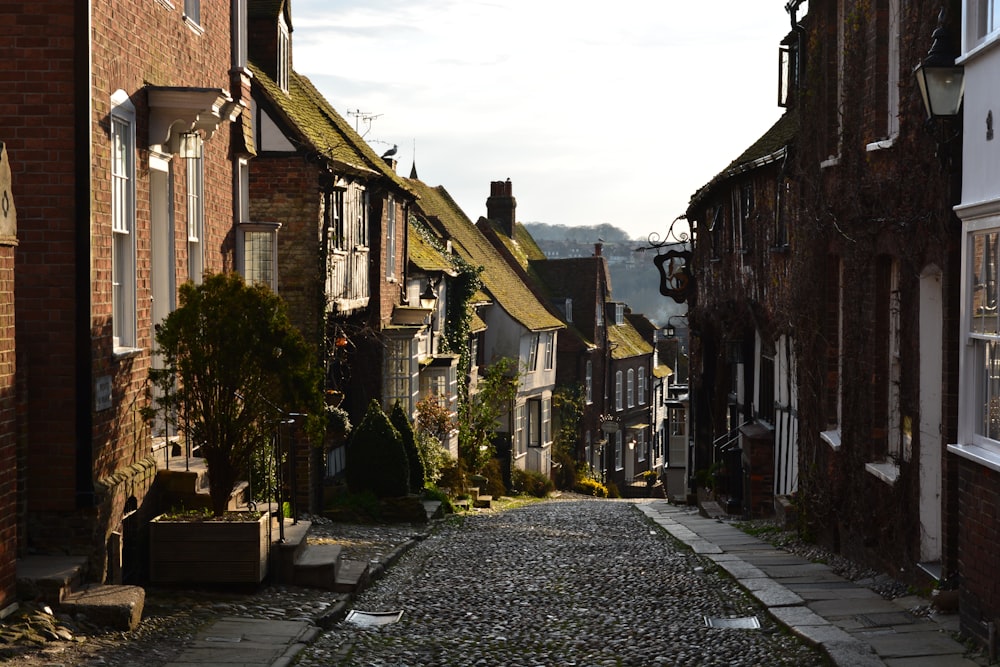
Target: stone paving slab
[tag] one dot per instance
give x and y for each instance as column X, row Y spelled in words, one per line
column 246, row 642
column 842, row 617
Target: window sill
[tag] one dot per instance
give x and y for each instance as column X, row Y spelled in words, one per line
column 126, row 352
column 880, row 145
column 887, row 471
column 984, row 456
column 831, row 438
column 194, row 25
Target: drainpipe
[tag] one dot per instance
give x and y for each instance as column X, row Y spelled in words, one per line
column 83, row 53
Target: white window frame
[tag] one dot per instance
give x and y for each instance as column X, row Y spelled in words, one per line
column 399, row 373
column 618, row 391
column 982, row 23
column 619, row 453
column 390, row 238
column 974, row 439
column 239, row 55
column 630, row 388
column 619, row 314
column 641, row 379
column 192, row 14
column 588, row 383
column 284, row 55
column 549, row 350
column 892, row 81
column 533, row 342
column 252, row 265
column 195, row 179
column 518, row 437
column 640, row 445
column 123, row 218
column 546, row 419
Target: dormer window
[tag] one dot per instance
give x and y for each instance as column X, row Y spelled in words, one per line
column 619, row 314
column 284, row 55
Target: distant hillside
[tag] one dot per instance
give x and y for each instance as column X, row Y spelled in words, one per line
column 586, row 234
column 634, row 278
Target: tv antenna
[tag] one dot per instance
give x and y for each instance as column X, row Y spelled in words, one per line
column 363, row 117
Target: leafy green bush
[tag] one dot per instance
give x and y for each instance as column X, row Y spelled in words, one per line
column 591, row 487
column 434, row 457
column 376, row 460
column 533, row 483
column 414, row 465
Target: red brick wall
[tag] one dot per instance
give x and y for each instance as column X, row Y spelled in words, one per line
column 978, row 537
column 286, row 190
column 8, row 442
column 133, row 45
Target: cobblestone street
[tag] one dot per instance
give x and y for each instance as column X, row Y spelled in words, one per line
column 570, row 582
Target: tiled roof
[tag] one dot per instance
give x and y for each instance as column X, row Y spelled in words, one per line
column 575, row 278
column 499, row 279
column 768, row 146
column 626, row 341
column 522, row 247
column 264, row 8
column 423, row 254
column 322, row 128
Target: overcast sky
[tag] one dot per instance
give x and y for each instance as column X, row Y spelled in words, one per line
column 599, row 112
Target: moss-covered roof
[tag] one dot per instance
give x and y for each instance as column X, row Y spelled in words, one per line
column 424, row 254
column 503, row 284
column 522, row 247
column 662, row 371
column 626, row 341
column 770, row 145
column 321, row 128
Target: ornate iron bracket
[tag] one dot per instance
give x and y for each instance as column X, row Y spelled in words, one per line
column 674, row 251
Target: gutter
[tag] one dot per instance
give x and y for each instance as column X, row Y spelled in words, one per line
column 82, row 135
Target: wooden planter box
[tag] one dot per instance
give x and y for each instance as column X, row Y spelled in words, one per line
column 223, row 552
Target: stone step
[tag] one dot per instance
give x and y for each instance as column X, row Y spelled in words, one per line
column 49, row 578
column 483, row 502
column 462, row 504
column 316, row 566
column 117, row 607
column 350, row 575
column 473, row 492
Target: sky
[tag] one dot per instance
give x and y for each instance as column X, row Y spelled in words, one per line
column 598, row 112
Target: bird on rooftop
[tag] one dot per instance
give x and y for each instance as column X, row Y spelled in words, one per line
column 391, row 151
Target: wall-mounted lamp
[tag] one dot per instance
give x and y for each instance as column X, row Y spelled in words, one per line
column 429, row 296
column 941, row 81
column 189, row 145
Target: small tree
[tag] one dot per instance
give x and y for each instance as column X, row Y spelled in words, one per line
column 478, row 414
column 376, row 460
column 414, row 463
column 233, row 365
column 434, row 425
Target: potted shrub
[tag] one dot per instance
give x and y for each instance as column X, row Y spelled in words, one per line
column 233, row 366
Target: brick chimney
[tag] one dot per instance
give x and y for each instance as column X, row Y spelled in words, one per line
column 598, row 247
column 501, row 206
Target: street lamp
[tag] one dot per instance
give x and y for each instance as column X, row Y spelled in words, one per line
column 941, row 81
column 429, row 296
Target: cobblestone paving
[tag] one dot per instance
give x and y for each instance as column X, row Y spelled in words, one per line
column 570, row 582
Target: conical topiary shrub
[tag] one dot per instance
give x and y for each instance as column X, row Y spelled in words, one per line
column 402, row 423
column 376, row 460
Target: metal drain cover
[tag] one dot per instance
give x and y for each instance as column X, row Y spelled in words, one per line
column 739, row 623
column 372, row 619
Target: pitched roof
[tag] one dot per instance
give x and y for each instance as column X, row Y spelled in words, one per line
column 626, row 341
column 506, row 288
column 576, row 278
column 769, row 147
column 522, row 247
column 319, row 126
column 424, row 254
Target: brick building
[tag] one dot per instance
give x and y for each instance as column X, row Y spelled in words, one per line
column 973, row 459
column 118, row 129
column 9, row 470
column 826, row 309
column 336, row 214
